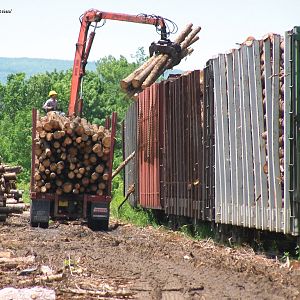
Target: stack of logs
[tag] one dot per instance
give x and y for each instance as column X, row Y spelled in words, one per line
column 280, row 100
column 72, row 156
column 150, row 71
column 10, row 198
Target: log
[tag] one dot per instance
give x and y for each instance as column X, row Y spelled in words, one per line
column 101, row 186
column 71, row 175
column 17, row 193
column 97, row 148
column 13, row 208
column 8, row 169
column 123, row 164
column 101, row 132
column 67, row 187
column 105, row 175
column 58, row 134
column 52, row 121
column 139, row 79
column 105, row 151
column 93, row 159
column 126, row 82
column 191, row 38
column 37, row 176
column 59, row 191
column 79, row 176
column 9, row 176
column 52, row 175
column 81, row 170
column 100, row 168
column 106, row 141
column 99, row 192
column 146, row 74
column 11, row 201
column 156, row 72
column 43, row 189
column 49, row 136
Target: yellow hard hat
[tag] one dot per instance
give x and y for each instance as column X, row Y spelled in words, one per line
column 51, row 93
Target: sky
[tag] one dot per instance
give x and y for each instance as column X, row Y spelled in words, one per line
column 50, row 28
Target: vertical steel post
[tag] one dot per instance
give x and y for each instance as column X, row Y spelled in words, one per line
column 296, row 95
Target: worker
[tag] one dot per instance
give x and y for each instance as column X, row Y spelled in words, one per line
column 51, row 103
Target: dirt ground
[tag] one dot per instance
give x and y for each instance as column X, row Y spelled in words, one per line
column 135, row 263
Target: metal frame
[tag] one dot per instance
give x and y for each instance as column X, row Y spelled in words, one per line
column 295, row 128
column 255, row 199
column 129, row 145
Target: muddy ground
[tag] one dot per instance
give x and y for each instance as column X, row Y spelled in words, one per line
column 139, row 263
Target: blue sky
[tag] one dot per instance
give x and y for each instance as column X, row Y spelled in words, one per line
column 49, row 29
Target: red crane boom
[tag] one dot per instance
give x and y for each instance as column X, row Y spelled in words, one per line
column 83, row 47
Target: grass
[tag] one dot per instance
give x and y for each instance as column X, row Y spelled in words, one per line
column 137, row 216
column 198, row 232
column 24, row 185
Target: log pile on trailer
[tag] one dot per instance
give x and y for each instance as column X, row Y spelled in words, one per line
column 72, row 156
column 156, row 65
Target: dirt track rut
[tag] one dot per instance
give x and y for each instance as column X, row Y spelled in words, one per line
column 139, row 263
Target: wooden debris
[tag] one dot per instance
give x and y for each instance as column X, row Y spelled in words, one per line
column 5, row 254
column 17, row 260
column 102, row 293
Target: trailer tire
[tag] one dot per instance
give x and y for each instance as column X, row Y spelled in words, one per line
column 44, row 225
column 34, row 224
column 98, row 225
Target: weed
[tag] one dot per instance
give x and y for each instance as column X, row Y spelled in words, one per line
column 198, row 232
column 297, row 250
column 286, row 255
column 203, row 231
column 137, row 216
column 24, row 185
column 187, row 229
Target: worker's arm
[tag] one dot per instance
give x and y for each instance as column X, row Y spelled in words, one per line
column 47, row 107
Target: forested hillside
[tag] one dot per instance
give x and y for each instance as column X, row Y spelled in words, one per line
column 20, row 94
column 33, row 66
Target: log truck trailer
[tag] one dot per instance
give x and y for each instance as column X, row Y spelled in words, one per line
column 94, row 208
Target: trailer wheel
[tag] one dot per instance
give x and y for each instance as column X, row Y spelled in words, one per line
column 98, row 225
column 44, row 225
column 3, row 218
column 34, row 224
